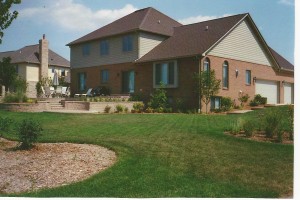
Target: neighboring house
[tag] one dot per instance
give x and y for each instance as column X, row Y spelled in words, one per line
column 137, row 52
column 36, row 61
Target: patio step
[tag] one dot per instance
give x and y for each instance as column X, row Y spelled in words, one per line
column 56, row 106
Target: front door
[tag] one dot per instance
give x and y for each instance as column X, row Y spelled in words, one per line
column 128, row 81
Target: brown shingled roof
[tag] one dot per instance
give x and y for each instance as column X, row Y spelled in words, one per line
column 147, row 19
column 193, row 39
column 282, row 62
column 31, row 54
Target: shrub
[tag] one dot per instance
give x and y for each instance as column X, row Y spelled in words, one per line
column 260, row 100
column 236, row 126
column 249, row 127
column 38, row 88
column 273, row 120
column 119, row 108
column 138, row 96
column 254, row 103
column 243, row 98
column 138, row 107
column 107, row 109
column 291, row 121
column 159, row 99
column 226, row 104
column 17, row 97
column 28, row 132
column 149, row 110
column 179, row 105
column 279, row 133
column 5, row 123
column 126, row 109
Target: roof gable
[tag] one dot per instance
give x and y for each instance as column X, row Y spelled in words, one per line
column 242, row 43
column 193, row 39
column 148, row 19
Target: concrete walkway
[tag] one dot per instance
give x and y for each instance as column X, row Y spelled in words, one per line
column 73, row 111
column 239, row 111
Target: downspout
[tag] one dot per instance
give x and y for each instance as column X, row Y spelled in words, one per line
column 200, row 90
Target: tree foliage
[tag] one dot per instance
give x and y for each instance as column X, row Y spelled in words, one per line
column 8, row 73
column 6, row 17
column 208, row 85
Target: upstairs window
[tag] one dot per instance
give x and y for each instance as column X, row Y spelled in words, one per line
column 248, row 77
column 127, row 43
column 86, row 49
column 225, row 79
column 63, row 72
column 206, row 65
column 104, row 47
column 165, row 73
column 104, row 76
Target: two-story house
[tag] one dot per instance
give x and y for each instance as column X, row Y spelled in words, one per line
column 139, row 51
column 36, row 61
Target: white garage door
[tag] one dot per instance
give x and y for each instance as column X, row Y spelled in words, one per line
column 267, row 89
column 288, row 90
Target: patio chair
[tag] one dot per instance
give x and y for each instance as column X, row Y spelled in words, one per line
column 64, row 91
column 47, row 91
column 52, row 91
column 68, row 92
column 58, row 91
column 88, row 93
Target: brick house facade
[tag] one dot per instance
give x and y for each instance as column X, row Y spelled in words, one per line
column 174, row 55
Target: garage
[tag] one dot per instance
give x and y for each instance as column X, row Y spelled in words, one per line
column 267, row 89
column 288, row 93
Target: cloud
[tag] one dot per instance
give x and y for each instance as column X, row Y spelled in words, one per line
column 200, row 18
column 71, row 16
column 286, row 2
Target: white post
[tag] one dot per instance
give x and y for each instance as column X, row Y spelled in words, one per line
column 3, row 91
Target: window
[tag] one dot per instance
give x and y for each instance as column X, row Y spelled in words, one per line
column 165, row 73
column 81, row 81
column 104, row 47
column 17, row 69
column 63, row 72
column 86, row 49
column 53, row 70
column 225, row 75
column 104, row 76
column 206, row 65
column 215, row 103
column 128, row 43
column 248, row 77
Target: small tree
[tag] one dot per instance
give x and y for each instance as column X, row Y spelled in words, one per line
column 209, row 86
column 8, row 73
column 28, row 132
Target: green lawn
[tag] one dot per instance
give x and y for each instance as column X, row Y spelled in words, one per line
column 170, row 155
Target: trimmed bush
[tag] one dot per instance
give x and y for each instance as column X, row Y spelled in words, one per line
column 254, row 103
column 249, row 127
column 158, row 100
column 138, row 107
column 273, row 123
column 107, row 109
column 28, row 132
column 119, row 108
column 5, row 123
column 291, row 121
column 226, row 104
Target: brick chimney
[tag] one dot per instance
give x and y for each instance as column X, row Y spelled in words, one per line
column 43, row 47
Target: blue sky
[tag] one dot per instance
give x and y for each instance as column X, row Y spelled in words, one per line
column 66, row 20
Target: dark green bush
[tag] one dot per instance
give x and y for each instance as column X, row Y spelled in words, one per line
column 158, row 100
column 18, row 97
column 254, row 103
column 273, row 122
column 249, row 127
column 260, row 100
column 28, row 132
column 5, row 123
column 291, row 121
column 226, row 104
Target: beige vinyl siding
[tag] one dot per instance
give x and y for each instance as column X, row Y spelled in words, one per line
column 22, row 70
column 58, row 69
column 241, row 44
column 148, row 41
column 116, row 54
